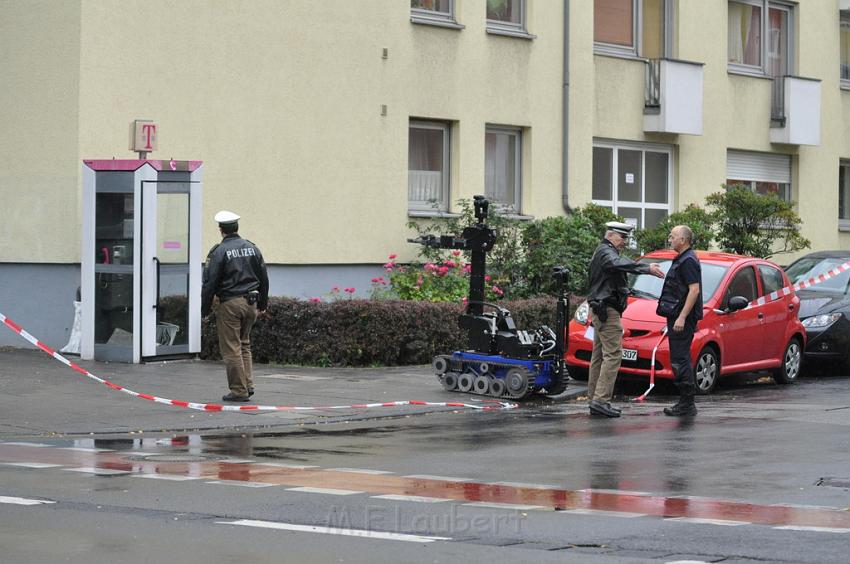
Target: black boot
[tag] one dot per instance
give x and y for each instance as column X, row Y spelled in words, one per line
column 600, row 408
column 685, row 406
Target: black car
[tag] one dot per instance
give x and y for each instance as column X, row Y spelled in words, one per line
column 824, row 307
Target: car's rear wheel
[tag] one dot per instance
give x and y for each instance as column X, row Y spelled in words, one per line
column 706, row 371
column 577, row 373
column 792, row 359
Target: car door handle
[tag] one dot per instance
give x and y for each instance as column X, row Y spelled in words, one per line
column 790, row 307
column 761, row 315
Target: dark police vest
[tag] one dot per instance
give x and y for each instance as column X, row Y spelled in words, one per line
column 675, row 290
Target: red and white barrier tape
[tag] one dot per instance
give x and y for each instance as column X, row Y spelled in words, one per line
column 486, row 405
column 773, row 296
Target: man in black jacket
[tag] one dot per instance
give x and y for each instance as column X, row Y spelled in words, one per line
column 607, row 298
column 236, row 273
column 682, row 287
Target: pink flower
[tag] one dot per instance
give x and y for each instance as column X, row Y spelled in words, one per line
column 486, row 277
column 350, row 290
column 456, row 253
column 315, row 300
column 442, row 271
column 392, row 256
column 389, row 266
column 419, row 281
column 430, row 267
column 467, row 268
column 450, row 263
column 464, row 300
column 377, row 280
column 335, row 289
column 498, row 291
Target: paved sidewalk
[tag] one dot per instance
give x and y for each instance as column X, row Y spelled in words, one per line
column 42, row 397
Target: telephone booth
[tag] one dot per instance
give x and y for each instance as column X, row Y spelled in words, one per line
column 141, row 259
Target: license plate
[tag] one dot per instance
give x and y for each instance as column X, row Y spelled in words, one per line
column 629, row 354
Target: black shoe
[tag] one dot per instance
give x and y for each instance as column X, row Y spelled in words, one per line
column 617, row 409
column 599, row 408
column 681, row 409
column 232, row 397
column 250, row 392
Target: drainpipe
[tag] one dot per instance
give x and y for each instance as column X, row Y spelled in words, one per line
column 565, row 109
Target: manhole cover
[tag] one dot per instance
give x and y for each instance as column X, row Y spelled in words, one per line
column 175, row 457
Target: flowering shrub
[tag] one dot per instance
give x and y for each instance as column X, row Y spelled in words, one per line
column 444, row 280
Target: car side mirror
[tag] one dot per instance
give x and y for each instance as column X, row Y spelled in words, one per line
column 737, row 303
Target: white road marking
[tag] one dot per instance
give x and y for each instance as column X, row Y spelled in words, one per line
column 616, row 492
column 419, row 498
column 812, row 529
column 329, row 491
column 85, row 449
column 699, row 521
column 282, row 465
column 31, row 464
column 358, row 471
column 36, row 445
column 23, row 501
column 441, row 478
column 171, row 477
column 239, row 483
column 603, row 513
column 98, row 471
column 524, row 485
column 237, row 461
column 333, row 531
column 505, row 505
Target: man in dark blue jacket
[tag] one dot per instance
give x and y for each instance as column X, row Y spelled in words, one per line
column 681, row 303
column 236, row 273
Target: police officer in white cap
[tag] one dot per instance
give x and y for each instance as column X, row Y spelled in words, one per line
column 236, row 273
column 607, row 299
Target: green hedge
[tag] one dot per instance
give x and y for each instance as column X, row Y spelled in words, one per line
column 365, row 332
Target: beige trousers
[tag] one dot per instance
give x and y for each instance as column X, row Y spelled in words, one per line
column 606, row 357
column 234, row 320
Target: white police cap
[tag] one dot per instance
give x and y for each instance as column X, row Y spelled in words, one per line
column 621, row 228
column 225, row 216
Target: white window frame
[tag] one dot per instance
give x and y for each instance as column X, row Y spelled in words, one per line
column 435, row 206
column 615, row 203
column 844, row 223
column 499, row 27
column 623, row 50
column 434, row 17
column 514, row 207
column 761, row 69
column 844, row 21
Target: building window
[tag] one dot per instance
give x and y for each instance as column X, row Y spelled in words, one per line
column 844, row 30
column 502, row 167
column 844, row 195
column 633, row 181
column 757, row 44
column 763, row 173
column 428, row 166
column 435, row 12
column 633, row 27
column 506, row 16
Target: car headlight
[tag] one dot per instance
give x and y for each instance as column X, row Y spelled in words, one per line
column 821, row 320
column 582, row 312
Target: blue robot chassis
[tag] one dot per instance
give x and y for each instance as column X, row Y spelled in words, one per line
column 502, row 361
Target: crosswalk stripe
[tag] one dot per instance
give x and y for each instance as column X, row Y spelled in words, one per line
column 604, row 513
column 334, row 531
column 419, row 498
column 812, row 529
column 23, row 501
column 98, row 471
column 699, row 521
column 170, row 477
column 241, row 484
column 494, row 505
column 31, row 464
column 329, row 491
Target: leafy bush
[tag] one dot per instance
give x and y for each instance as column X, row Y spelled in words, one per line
column 753, row 224
column 364, row 332
column 699, row 220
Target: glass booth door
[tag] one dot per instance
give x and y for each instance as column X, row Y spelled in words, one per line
column 170, row 277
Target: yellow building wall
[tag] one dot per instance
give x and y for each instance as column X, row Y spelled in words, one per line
column 39, row 175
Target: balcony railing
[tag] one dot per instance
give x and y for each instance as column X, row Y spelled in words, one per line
column 673, row 97
column 795, row 113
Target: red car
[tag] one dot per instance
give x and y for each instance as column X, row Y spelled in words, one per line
column 739, row 332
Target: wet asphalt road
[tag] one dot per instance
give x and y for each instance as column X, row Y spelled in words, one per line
column 761, row 474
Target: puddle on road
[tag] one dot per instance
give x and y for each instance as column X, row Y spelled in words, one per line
column 194, row 456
